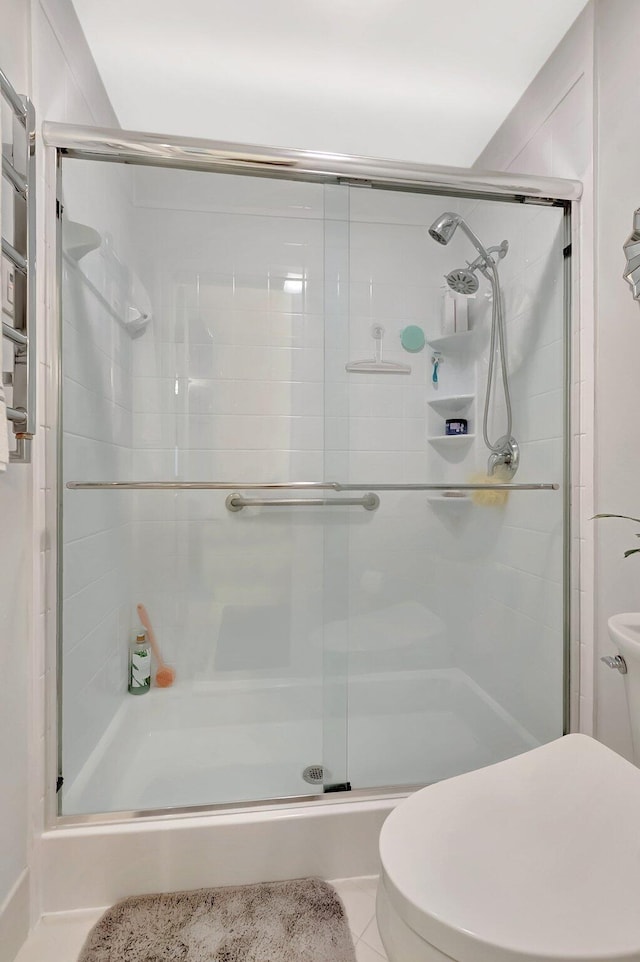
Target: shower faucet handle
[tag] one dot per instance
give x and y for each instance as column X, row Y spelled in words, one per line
column 506, row 456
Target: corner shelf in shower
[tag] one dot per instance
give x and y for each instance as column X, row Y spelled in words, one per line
column 454, row 404
column 450, row 343
column 451, row 440
column 440, row 500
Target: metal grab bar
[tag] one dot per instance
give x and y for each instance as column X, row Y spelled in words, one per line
column 235, row 502
column 300, row 485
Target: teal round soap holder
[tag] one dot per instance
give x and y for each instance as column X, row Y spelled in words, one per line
column 412, row 338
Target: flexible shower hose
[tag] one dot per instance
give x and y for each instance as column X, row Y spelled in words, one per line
column 497, row 321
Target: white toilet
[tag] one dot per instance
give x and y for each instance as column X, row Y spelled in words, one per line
column 535, row 859
column 624, row 631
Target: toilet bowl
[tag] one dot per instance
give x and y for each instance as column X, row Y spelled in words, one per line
column 624, row 631
column 535, row 859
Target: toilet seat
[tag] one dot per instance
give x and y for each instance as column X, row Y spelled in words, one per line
column 535, row 859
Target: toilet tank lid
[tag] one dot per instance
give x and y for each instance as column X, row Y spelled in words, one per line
column 535, row 859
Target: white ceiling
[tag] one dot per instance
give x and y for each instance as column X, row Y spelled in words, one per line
column 423, row 80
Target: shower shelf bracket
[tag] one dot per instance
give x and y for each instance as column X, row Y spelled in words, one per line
column 450, row 439
column 453, row 342
column 455, row 403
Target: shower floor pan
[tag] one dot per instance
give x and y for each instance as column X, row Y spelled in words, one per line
column 220, row 743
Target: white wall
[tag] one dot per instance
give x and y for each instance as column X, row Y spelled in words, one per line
column 598, row 57
column 408, row 81
column 67, row 88
column 15, row 606
column 618, row 347
column 550, row 132
column 43, row 53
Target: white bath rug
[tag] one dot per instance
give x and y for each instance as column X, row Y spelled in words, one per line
column 298, row 921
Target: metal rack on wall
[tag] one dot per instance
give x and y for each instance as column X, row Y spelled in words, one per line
column 18, row 270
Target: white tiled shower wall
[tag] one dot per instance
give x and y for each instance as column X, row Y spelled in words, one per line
column 513, row 643
column 551, row 131
column 617, row 445
column 441, row 565
column 229, row 382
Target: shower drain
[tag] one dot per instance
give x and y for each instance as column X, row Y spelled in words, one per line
column 314, row 774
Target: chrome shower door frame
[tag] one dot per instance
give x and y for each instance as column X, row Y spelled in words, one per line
column 150, row 149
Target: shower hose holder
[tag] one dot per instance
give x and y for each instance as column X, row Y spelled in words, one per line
column 505, row 457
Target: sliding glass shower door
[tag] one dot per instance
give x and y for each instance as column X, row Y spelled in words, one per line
column 456, row 608
column 334, row 623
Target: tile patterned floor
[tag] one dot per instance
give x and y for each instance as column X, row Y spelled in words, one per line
column 359, row 899
column 59, row 938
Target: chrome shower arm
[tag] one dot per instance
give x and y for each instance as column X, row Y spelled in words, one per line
column 475, row 240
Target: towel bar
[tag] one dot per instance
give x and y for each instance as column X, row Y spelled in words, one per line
column 21, row 411
column 301, row 486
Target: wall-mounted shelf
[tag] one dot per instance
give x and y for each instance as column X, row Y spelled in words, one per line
column 78, row 240
column 451, row 440
column 451, row 507
column 454, row 342
column 453, row 404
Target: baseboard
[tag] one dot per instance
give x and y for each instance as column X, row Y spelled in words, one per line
column 14, row 919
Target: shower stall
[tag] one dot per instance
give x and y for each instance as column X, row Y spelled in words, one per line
column 355, row 601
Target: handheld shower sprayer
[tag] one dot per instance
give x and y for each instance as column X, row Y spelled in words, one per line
column 443, row 229
column 464, row 280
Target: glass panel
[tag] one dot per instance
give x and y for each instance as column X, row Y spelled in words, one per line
column 208, row 323
column 455, row 603
column 224, row 381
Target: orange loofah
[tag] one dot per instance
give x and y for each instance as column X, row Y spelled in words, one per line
column 165, row 675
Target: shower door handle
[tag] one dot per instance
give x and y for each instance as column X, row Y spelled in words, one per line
column 236, row 502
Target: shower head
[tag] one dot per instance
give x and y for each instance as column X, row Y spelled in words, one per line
column 443, row 229
column 463, row 280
